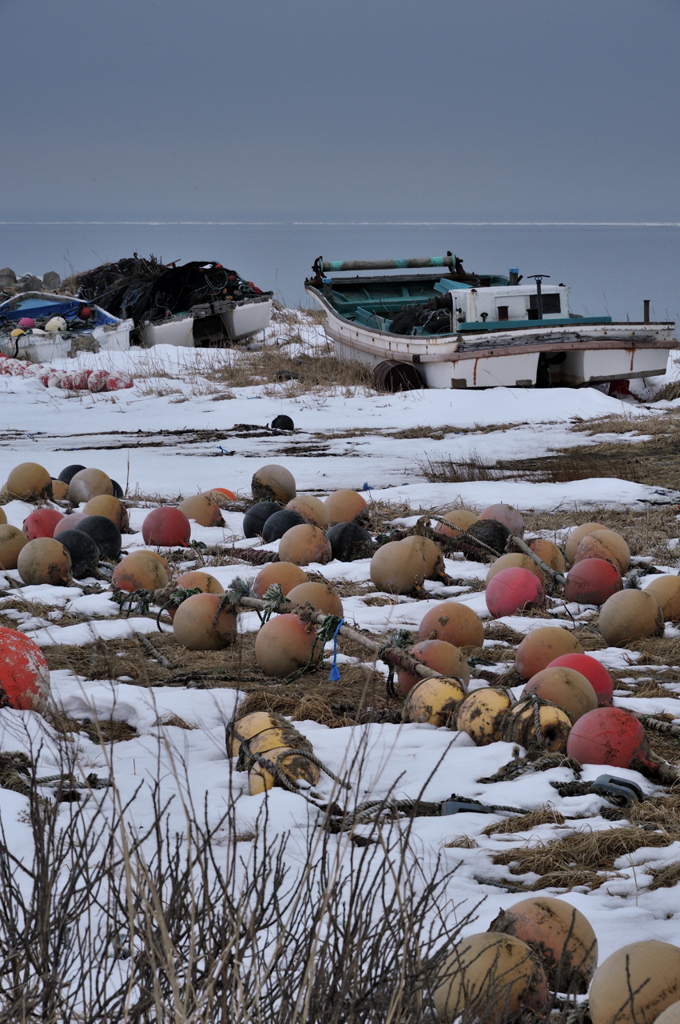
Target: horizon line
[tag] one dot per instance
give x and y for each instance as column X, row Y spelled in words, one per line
column 338, row 223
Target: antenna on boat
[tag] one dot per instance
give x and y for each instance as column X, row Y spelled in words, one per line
column 539, row 295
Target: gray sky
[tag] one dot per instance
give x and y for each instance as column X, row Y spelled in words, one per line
column 350, row 110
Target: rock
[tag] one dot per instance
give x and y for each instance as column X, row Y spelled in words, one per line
column 29, row 283
column 7, row 278
column 51, row 280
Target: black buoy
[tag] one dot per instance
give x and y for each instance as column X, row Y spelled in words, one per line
column 83, row 550
column 282, row 423
column 492, row 534
column 257, row 515
column 69, row 472
column 104, row 533
column 279, row 522
column 350, row 541
column 117, row 489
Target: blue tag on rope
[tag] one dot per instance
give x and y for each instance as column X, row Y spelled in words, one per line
column 334, row 675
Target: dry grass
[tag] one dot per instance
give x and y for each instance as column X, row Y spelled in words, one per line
column 582, row 858
column 98, row 730
column 545, row 815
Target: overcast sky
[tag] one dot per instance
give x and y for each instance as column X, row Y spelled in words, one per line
column 349, row 110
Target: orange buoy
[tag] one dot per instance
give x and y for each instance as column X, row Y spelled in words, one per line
column 206, row 583
column 548, row 553
column 344, row 506
column 453, row 622
column 304, row 545
column 515, row 561
column 29, row 481
column 12, row 540
column 460, row 519
column 575, row 537
column 195, row 626
column 490, row 978
column 397, row 568
column 630, row 615
column 312, row 509
column 320, row 596
column 285, row 644
column 566, row 687
column 202, row 509
column 139, row 571
column 636, row 983
column 109, row 507
column 286, row 574
column 559, row 934
column 44, row 560
column 606, row 544
column 88, row 483
column 438, row 655
column 24, row 674
column 543, row 645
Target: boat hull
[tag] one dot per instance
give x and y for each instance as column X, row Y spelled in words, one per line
column 212, row 325
column 564, row 355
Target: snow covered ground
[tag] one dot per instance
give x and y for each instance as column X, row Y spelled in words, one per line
column 182, row 441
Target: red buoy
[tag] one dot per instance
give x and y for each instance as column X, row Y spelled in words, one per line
column 166, row 527
column 592, row 581
column 595, row 673
column 41, row 522
column 511, row 590
column 24, row 675
column 608, row 736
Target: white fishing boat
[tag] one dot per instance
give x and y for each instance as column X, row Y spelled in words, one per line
column 441, row 327
column 40, row 327
column 210, row 323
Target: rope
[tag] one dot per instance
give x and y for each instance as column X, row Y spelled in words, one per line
column 523, row 765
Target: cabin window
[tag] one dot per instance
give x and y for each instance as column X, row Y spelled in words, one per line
column 503, row 313
column 551, row 303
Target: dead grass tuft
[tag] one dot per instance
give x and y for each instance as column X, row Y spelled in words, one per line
column 545, row 815
column 461, row 843
column 98, row 730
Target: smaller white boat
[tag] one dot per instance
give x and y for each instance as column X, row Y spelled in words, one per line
column 210, row 324
column 82, row 326
column 442, row 327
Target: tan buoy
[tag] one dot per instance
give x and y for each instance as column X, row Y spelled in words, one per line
column 669, row 1016
column 109, row 507
column 29, row 481
column 397, row 569
column 543, row 645
column 12, row 540
column 59, row 490
column 649, row 969
column 453, row 622
column 344, row 506
column 220, row 499
column 515, row 561
column 482, row 712
column 439, row 655
column 305, row 544
column 320, row 596
column 460, row 519
column 285, row 644
column 3, row 517
column 630, row 615
column 666, row 592
column 490, row 978
column 88, row 483
column 434, row 701
column 285, row 574
column 575, row 537
column 206, row 583
column 44, row 560
column 519, row 726
column 202, row 509
column 139, row 571
column 313, row 509
column 566, row 687
column 273, row 483
column 432, row 554
column 195, row 627
column 549, row 553
column 606, row 544
column 559, row 934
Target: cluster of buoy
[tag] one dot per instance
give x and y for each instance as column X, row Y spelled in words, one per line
column 68, row 380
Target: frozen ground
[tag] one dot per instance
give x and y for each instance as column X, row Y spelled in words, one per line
column 170, row 435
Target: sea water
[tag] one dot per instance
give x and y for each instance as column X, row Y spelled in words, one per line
column 611, row 268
